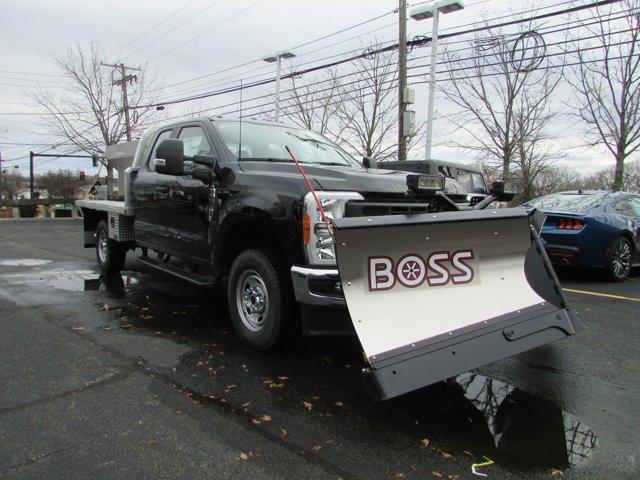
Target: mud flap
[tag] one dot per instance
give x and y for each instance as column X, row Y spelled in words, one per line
column 435, row 295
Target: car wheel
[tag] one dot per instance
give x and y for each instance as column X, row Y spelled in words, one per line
column 111, row 255
column 618, row 264
column 259, row 299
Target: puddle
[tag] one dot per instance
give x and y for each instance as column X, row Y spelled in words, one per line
column 528, row 432
column 24, row 262
column 73, row 280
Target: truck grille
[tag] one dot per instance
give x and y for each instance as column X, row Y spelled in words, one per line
column 371, row 209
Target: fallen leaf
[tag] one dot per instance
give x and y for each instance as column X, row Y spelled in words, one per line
column 401, row 475
column 284, row 433
column 454, row 477
column 446, row 456
column 283, row 378
column 267, row 381
column 246, row 404
column 436, row 474
column 308, row 405
column 256, row 421
column 152, row 442
column 339, row 404
column 243, row 456
column 78, row 328
column 276, row 385
column 425, row 442
column 557, row 473
column 105, row 307
column 265, row 418
column 316, row 448
column 178, row 412
column 467, row 452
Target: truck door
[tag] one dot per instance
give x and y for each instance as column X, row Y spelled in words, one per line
column 183, row 201
column 145, row 197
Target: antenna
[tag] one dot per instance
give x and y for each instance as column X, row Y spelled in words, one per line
column 240, row 134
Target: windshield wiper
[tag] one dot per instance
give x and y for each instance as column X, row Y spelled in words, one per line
column 265, row 159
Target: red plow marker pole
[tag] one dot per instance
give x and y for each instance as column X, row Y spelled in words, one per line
column 311, row 189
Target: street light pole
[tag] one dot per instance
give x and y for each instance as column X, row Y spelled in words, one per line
column 278, row 67
column 433, row 10
column 277, row 58
column 432, row 83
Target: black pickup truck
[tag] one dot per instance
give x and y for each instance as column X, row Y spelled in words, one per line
column 302, row 232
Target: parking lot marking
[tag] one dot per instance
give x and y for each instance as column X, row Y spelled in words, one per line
column 598, row 294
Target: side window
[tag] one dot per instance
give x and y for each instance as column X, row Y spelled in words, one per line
column 195, row 142
column 151, row 164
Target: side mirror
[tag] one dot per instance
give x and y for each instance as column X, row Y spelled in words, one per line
column 170, row 157
column 369, row 162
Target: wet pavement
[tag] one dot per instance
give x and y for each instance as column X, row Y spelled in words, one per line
column 141, row 376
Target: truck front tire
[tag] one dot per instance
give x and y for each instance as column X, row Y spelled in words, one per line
column 259, row 298
column 111, row 255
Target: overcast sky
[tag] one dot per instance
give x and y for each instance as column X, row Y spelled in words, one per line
column 220, row 34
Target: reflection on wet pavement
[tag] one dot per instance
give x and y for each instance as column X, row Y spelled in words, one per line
column 528, row 431
column 471, row 414
column 24, row 262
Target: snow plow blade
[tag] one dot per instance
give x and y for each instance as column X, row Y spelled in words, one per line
column 432, row 296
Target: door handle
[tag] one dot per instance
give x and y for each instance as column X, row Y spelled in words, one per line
column 162, row 189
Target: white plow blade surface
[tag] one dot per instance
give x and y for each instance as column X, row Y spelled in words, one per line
column 407, row 283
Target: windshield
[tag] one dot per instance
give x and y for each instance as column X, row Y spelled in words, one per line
column 568, row 202
column 267, row 143
column 472, row 181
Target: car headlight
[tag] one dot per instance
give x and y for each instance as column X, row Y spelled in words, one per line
column 318, row 240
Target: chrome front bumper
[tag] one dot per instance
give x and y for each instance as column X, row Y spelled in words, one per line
column 305, row 283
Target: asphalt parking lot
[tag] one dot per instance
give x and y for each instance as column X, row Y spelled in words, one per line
column 141, row 376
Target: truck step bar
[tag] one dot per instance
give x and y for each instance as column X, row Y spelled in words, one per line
column 178, row 272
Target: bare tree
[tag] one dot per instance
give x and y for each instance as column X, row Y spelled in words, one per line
column 87, row 111
column 60, row 184
column 502, row 100
column 606, row 81
column 557, row 179
column 10, row 183
column 311, row 103
column 367, row 115
column 356, row 107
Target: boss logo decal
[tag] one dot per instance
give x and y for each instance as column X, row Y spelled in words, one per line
column 412, row 270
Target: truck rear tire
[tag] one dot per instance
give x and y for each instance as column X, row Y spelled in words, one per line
column 111, row 255
column 259, row 298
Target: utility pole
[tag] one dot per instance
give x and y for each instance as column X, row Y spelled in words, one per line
column 402, row 78
column 122, row 82
column 1, row 182
column 31, row 155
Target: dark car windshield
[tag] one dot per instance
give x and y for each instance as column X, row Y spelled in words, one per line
column 267, row 143
column 567, row 202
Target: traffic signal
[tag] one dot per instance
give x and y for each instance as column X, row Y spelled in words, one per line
column 82, row 175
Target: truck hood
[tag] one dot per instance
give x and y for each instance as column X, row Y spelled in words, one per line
column 337, row 178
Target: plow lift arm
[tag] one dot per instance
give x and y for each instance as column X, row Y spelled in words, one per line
column 434, row 295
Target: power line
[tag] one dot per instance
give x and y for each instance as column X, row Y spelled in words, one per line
column 222, row 22
column 152, row 42
column 420, row 42
column 243, row 74
column 153, row 27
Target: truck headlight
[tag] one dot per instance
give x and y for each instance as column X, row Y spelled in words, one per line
column 318, row 239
